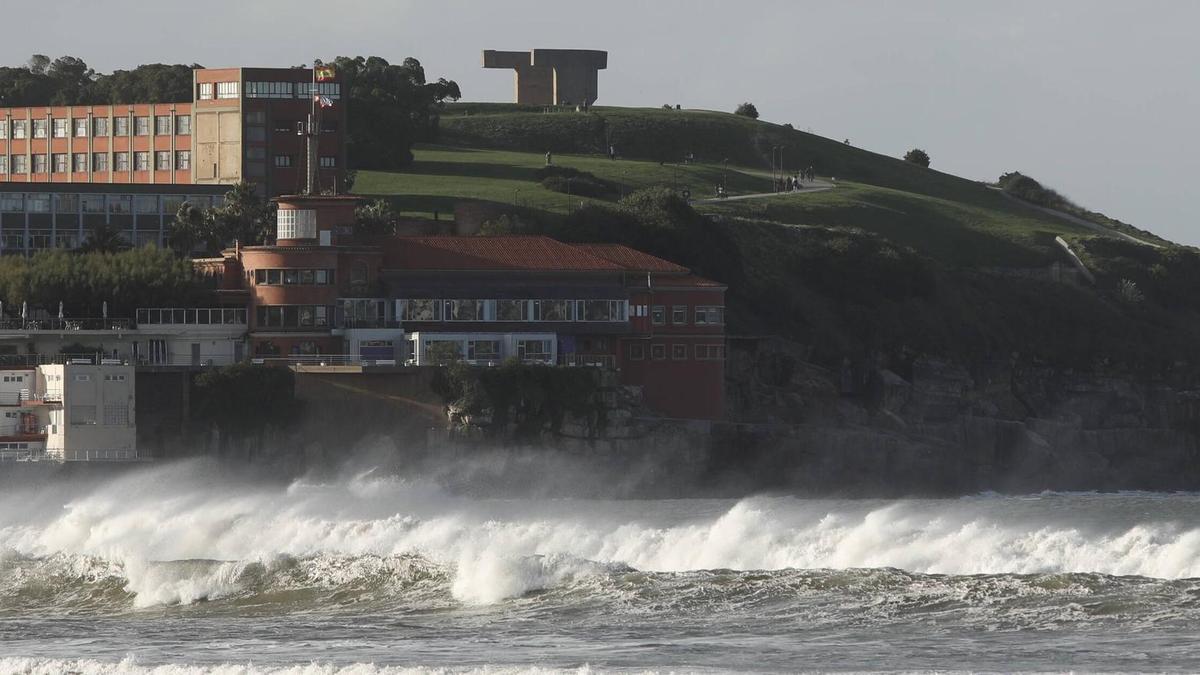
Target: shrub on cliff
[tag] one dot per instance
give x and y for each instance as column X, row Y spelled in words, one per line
column 533, row 398
column 244, row 400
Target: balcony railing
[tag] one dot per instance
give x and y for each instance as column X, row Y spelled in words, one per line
column 9, row 360
column 23, row 455
column 58, row 325
column 27, row 397
column 355, row 323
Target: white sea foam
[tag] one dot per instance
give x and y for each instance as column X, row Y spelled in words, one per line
column 502, row 549
column 129, row 666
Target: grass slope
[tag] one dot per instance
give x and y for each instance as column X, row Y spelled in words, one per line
column 668, row 135
column 980, row 228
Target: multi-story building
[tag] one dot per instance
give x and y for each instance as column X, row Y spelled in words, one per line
column 242, row 125
column 68, row 412
column 246, row 123
column 95, row 418
column 422, row 300
column 122, row 161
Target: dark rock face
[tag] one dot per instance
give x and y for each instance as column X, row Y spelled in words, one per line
column 939, row 429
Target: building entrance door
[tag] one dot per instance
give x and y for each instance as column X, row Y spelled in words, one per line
column 195, row 353
column 158, row 352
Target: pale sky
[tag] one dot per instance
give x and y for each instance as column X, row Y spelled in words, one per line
column 1097, row 99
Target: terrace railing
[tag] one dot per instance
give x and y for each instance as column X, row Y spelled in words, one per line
column 60, row 325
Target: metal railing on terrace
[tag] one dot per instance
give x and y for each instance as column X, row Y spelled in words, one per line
column 191, row 316
column 597, row 361
column 23, row 455
column 97, row 456
column 58, row 325
column 26, row 360
column 27, row 397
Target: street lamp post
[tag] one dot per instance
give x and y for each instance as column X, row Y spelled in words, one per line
column 569, row 180
column 725, row 174
column 774, row 182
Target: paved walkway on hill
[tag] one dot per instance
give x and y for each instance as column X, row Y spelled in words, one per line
column 809, row 186
column 1096, row 227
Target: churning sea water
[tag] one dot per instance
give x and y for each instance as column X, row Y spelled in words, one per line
column 167, row 571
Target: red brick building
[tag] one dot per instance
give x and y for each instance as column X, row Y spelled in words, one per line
column 240, row 126
column 419, row 300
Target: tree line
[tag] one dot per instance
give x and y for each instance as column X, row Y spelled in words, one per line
column 68, row 80
column 83, row 282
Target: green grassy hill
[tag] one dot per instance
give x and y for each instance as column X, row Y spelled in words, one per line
column 894, row 259
column 978, row 227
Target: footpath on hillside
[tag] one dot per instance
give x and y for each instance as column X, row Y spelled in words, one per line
column 1096, row 227
column 809, row 186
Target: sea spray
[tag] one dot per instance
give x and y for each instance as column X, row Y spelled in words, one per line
column 177, row 540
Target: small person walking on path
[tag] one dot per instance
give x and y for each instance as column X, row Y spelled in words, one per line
column 549, row 159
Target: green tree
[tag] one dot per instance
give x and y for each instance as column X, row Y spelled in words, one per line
column 105, row 238
column 83, row 282
column 243, row 400
column 390, row 107
column 68, row 80
column 917, row 156
column 375, row 218
column 189, row 229
column 747, row 109
column 244, row 216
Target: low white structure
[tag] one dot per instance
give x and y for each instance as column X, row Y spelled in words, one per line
column 95, row 419
column 427, row 348
column 22, row 423
column 204, row 336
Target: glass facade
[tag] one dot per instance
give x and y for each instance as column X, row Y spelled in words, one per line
column 32, row 221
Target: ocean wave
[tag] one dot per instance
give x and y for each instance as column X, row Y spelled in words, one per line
column 169, row 537
column 130, row 666
column 563, row 586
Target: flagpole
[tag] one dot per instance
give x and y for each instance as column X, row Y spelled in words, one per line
column 311, row 160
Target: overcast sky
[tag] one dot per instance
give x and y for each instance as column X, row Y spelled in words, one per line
column 1096, row 99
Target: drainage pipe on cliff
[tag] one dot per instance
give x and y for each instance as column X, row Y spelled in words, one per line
column 1087, row 274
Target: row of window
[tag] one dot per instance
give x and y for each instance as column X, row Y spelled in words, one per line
column 164, row 160
column 443, row 350
column 198, row 316
column 293, row 316
column 293, row 277
column 513, row 310
column 76, row 202
column 98, row 127
column 679, row 352
column 286, row 161
column 115, row 414
column 704, row 315
column 211, row 90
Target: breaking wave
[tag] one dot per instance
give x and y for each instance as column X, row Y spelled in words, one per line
column 130, row 666
column 167, row 537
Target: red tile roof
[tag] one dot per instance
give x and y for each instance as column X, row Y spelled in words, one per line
column 632, row 259
column 508, row 252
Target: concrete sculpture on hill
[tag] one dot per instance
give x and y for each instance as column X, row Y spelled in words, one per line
column 552, row 76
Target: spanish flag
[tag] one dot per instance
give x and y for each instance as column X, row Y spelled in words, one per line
column 324, row 73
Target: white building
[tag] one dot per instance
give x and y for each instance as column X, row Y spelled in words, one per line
column 160, row 337
column 22, row 427
column 204, row 336
column 89, row 411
